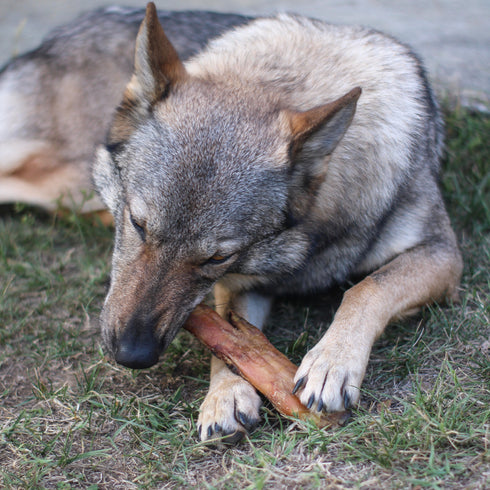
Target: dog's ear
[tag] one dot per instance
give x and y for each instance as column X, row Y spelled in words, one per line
column 157, row 65
column 316, row 133
column 157, row 68
column 105, row 176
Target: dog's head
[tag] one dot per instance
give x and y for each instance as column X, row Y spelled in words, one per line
column 202, row 177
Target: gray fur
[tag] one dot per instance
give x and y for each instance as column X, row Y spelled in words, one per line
column 260, row 167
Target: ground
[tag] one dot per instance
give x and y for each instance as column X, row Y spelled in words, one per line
column 70, row 418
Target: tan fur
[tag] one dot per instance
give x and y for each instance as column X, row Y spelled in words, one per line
column 41, row 179
column 228, row 392
column 397, row 289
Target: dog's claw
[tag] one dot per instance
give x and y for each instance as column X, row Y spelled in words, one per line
column 298, row 384
column 216, row 435
column 311, row 400
column 248, row 422
column 233, row 438
column 199, row 428
column 319, row 408
column 347, row 401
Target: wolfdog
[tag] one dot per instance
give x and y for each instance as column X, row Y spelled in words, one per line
column 287, row 156
column 57, row 101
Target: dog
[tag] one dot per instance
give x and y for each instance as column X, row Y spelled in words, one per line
column 287, row 156
column 57, row 101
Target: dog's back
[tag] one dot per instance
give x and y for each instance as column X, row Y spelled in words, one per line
column 56, row 102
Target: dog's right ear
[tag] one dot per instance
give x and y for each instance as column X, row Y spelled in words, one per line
column 157, row 67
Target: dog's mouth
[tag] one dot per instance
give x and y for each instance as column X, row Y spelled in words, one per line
column 137, row 340
column 143, row 340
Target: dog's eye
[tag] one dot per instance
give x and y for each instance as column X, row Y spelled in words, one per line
column 217, row 259
column 140, row 229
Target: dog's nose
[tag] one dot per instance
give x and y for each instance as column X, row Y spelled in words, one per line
column 138, row 348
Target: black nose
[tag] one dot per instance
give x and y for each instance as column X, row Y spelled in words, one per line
column 138, row 348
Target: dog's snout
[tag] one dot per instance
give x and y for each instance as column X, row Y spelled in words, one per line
column 138, row 347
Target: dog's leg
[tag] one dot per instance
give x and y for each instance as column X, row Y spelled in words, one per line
column 231, row 406
column 33, row 172
column 330, row 376
column 45, row 181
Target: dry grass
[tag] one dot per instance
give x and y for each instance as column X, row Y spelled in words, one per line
column 71, row 419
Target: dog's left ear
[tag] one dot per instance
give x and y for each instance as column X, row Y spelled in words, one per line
column 316, row 133
column 313, row 135
column 157, row 68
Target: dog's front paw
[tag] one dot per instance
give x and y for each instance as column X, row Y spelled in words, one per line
column 330, row 375
column 230, row 409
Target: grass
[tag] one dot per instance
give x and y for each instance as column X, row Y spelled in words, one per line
column 69, row 418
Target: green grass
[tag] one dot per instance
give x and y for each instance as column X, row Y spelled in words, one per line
column 69, row 418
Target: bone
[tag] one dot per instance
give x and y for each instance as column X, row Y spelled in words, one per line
column 246, row 349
